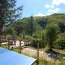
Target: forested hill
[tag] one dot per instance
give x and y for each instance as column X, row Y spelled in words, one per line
column 34, row 23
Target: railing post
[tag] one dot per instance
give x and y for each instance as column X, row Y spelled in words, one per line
column 0, row 40
column 8, row 44
column 20, row 46
column 38, row 54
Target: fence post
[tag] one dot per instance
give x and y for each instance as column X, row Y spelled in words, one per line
column 38, row 54
column 8, row 44
column 20, row 46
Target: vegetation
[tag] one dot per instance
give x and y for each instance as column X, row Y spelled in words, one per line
column 52, row 32
column 8, row 13
column 48, row 30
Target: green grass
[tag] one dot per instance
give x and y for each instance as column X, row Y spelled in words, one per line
column 16, row 50
column 4, row 46
column 59, row 51
column 30, row 47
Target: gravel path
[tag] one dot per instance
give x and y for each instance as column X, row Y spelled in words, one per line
column 32, row 52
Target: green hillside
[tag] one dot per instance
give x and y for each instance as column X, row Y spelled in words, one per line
column 40, row 27
column 25, row 24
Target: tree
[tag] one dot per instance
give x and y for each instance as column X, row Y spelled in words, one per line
column 36, row 38
column 8, row 12
column 61, row 41
column 52, row 31
column 18, row 27
column 30, row 25
column 44, row 38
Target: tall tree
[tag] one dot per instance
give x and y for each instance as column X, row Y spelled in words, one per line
column 31, row 25
column 8, row 12
column 52, row 31
column 61, row 41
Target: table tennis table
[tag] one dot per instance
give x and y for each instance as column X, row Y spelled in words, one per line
column 8, row 57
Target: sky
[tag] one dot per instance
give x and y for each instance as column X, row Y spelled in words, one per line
column 41, row 7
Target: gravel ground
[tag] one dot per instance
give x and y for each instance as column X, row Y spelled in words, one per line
column 32, row 52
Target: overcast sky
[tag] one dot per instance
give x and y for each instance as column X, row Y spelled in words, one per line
column 41, row 7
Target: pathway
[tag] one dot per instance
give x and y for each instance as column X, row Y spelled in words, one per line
column 32, row 52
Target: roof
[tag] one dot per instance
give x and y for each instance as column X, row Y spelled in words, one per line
column 8, row 57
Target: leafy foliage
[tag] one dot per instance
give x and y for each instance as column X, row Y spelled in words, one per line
column 52, row 31
column 40, row 29
column 8, row 12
